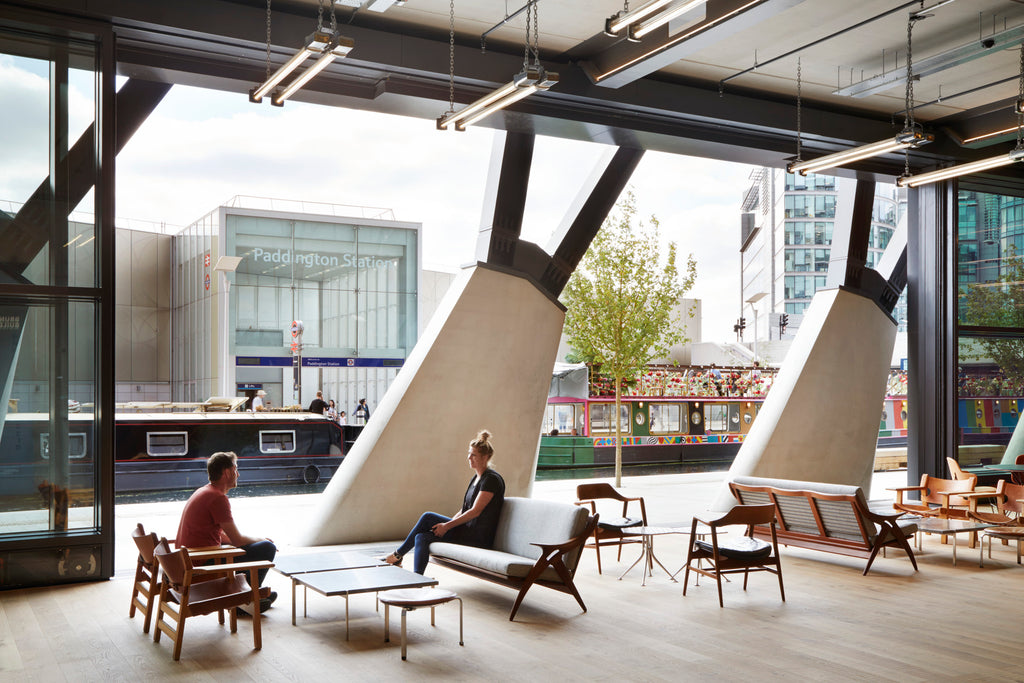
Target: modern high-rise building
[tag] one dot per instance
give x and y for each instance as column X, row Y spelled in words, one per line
column 785, row 244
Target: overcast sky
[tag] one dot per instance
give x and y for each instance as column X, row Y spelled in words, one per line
column 202, row 147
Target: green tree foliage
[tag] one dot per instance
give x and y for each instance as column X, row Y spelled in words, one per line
column 620, row 301
column 997, row 304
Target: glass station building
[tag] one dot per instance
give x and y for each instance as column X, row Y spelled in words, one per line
column 241, row 277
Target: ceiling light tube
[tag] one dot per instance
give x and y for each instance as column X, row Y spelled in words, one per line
column 901, row 141
column 523, row 84
column 617, row 22
column 339, row 47
column 519, row 93
column 963, row 169
column 638, row 32
column 316, row 42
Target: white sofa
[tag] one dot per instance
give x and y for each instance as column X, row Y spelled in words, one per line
column 537, row 542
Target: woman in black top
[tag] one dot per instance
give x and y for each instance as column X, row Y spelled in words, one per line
column 475, row 523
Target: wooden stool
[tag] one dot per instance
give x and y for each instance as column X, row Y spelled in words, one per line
column 410, row 599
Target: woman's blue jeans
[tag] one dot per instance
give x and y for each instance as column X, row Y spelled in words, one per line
column 420, row 539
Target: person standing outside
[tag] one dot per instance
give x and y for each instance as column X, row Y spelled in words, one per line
column 332, row 412
column 362, row 412
column 206, row 519
column 318, row 405
column 257, row 401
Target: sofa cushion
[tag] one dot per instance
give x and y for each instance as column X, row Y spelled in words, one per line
column 495, row 561
column 525, row 521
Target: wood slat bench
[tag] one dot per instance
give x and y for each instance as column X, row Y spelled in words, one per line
column 828, row 517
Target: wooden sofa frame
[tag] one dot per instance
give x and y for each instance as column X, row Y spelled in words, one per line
column 552, row 555
column 847, row 510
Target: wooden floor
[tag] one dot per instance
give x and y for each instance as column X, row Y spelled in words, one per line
column 943, row 623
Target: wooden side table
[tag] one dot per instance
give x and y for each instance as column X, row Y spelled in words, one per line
column 415, row 598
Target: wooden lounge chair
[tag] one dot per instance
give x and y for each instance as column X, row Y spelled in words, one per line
column 610, row 530
column 735, row 554
column 187, row 591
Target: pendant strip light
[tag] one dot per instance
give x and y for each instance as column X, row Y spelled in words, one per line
column 532, row 78
column 631, row 19
column 911, row 137
column 1014, row 156
column 638, row 31
column 325, row 43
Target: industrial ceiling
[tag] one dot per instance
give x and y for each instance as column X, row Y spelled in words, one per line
column 718, row 81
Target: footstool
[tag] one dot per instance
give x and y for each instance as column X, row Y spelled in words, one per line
column 1003, row 533
column 410, row 599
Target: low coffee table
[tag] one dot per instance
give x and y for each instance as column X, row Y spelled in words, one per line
column 950, row 527
column 330, row 560
column 346, row 582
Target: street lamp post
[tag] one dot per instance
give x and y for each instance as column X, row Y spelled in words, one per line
column 754, row 298
column 225, row 265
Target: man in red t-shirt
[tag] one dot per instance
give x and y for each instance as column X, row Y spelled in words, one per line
column 207, row 521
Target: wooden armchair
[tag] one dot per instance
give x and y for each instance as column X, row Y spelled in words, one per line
column 147, row 577
column 610, row 530
column 938, row 497
column 736, row 554
column 187, row 591
column 1009, row 508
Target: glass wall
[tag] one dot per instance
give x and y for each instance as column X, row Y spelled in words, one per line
column 353, row 286
column 55, row 309
column 990, row 315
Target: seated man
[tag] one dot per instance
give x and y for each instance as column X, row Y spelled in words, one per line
column 207, row 521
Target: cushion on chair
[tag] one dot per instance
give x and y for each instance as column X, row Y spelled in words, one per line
column 739, row 548
column 616, row 523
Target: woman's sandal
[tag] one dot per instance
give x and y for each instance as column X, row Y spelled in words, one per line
column 393, row 560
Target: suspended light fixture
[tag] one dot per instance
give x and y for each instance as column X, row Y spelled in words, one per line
column 1014, row 156
column 632, row 19
column 327, row 43
column 911, row 137
column 532, row 78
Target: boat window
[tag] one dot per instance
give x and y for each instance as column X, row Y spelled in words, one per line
column 277, row 442
column 716, row 417
column 603, row 422
column 666, row 417
column 561, row 416
column 166, row 443
column 76, row 445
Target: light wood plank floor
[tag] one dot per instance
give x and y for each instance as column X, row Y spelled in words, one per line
column 944, row 623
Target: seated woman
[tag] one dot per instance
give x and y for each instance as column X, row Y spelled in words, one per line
column 474, row 525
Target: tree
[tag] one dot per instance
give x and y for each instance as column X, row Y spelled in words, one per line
column 998, row 304
column 620, row 301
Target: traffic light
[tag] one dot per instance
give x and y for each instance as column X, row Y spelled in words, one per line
column 783, row 322
column 743, row 323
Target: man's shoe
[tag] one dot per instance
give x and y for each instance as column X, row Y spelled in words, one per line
column 265, row 603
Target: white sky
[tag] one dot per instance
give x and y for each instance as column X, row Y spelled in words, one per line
column 202, row 147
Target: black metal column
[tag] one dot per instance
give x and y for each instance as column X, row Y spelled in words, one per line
column 931, row 330
column 591, row 217
column 510, row 201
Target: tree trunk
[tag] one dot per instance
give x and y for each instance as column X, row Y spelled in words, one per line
column 618, row 432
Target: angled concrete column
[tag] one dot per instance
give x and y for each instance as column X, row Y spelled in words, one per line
column 820, row 419
column 483, row 362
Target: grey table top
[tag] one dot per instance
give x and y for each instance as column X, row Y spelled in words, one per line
column 940, row 525
column 365, row 580
column 324, row 561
